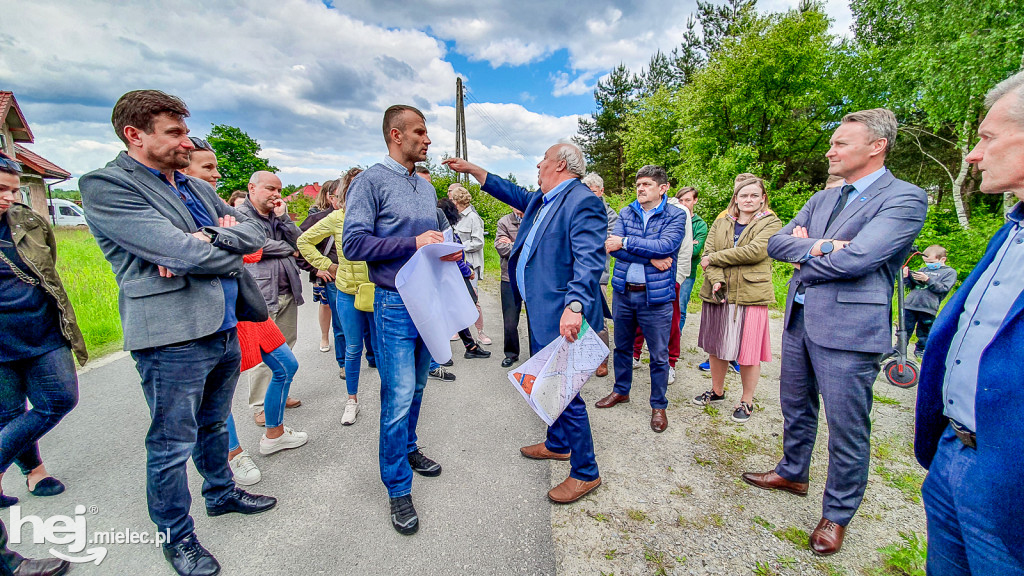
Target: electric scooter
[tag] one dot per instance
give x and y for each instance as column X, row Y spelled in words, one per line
column 901, row 371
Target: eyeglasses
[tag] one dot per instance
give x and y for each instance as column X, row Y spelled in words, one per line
column 9, row 164
column 200, row 144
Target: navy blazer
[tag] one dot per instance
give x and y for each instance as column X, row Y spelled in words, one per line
column 999, row 420
column 568, row 254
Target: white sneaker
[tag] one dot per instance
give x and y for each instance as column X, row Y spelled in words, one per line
column 351, row 409
column 671, row 375
column 290, row 439
column 244, row 470
column 636, row 364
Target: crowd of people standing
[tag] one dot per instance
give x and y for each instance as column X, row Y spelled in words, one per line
column 210, row 289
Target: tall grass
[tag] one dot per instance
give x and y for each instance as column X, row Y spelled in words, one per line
column 91, row 288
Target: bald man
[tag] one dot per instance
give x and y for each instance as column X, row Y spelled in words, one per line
column 276, row 273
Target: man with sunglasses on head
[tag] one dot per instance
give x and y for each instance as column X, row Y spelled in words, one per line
column 176, row 250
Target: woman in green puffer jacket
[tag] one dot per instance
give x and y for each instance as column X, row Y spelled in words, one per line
column 352, row 280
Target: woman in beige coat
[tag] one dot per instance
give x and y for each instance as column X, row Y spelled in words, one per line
column 736, row 293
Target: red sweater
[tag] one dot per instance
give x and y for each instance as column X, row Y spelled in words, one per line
column 254, row 337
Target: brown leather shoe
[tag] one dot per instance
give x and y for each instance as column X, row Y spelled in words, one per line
column 292, row 402
column 658, row 420
column 541, row 452
column 260, row 418
column 611, row 400
column 602, row 371
column 772, row 481
column 572, row 490
column 827, row 538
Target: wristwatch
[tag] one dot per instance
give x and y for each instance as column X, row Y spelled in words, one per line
column 575, row 307
column 212, row 235
column 827, row 247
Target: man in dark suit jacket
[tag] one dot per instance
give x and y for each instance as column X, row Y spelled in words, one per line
column 556, row 264
column 176, row 251
column 849, row 243
column 969, row 424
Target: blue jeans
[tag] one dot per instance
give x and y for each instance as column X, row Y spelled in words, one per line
column 233, row 443
column 629, row 310
column 369, row 338
column 356, row 323
column 283, row 365
column 403, row 361
column 336, row 325
column 960, row 536
column 50, row 383
column 685, row 289
column 188, row 388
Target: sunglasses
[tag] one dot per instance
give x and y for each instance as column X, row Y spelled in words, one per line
column 9, row 164
column 200, row 144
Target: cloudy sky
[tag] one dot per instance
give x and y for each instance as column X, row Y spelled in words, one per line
column 310, row 79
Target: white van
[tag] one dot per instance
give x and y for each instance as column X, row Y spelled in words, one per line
column 66, row 212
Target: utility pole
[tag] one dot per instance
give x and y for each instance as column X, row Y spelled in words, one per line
column 461, row 150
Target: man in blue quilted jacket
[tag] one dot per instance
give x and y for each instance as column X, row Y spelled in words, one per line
column 644, row 244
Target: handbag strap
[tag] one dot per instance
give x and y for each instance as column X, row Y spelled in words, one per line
column 18, row 272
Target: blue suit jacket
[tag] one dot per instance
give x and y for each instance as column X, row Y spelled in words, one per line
column 999, row 420
column 568, row 254
column 847, row 305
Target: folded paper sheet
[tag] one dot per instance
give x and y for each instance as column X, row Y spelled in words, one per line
column 550, row 379
column 436, row 297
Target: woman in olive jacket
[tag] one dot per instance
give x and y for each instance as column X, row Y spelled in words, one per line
column 736, row 293
column 39, row 335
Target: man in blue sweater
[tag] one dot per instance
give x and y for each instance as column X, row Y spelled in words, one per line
column 390, row 213
column 645, row 244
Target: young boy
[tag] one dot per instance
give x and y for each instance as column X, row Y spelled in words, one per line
column 928, row 286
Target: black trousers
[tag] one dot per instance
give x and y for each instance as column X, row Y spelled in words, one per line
column 923, row 322
column 511, row 306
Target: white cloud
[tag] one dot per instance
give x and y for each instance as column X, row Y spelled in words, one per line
column 563, row 85
column 310, row 84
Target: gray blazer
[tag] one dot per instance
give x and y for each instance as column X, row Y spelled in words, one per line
column 848, row 299
column 139, row 223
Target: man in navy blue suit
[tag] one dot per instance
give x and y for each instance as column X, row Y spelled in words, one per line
column 969, row 421
column 556, row 265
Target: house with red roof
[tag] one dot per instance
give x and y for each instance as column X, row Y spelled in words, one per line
column 37, row 172
column 309, row 190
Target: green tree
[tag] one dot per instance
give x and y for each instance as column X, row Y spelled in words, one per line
column 600, row 137
column 936, row 60
column 237, row 158
column 765, row 102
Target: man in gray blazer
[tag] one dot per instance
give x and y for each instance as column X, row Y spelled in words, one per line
column 848, row 244
column 176, row 251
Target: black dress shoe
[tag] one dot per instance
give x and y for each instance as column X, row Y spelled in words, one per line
column 507, row 362
column 48, row 486
column 189, row 558
column 42, row 567
column 475, row 351
column 242, row 502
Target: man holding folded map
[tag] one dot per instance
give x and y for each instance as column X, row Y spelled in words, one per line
column 556, row 264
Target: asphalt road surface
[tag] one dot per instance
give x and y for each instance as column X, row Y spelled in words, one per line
column 486, row 514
